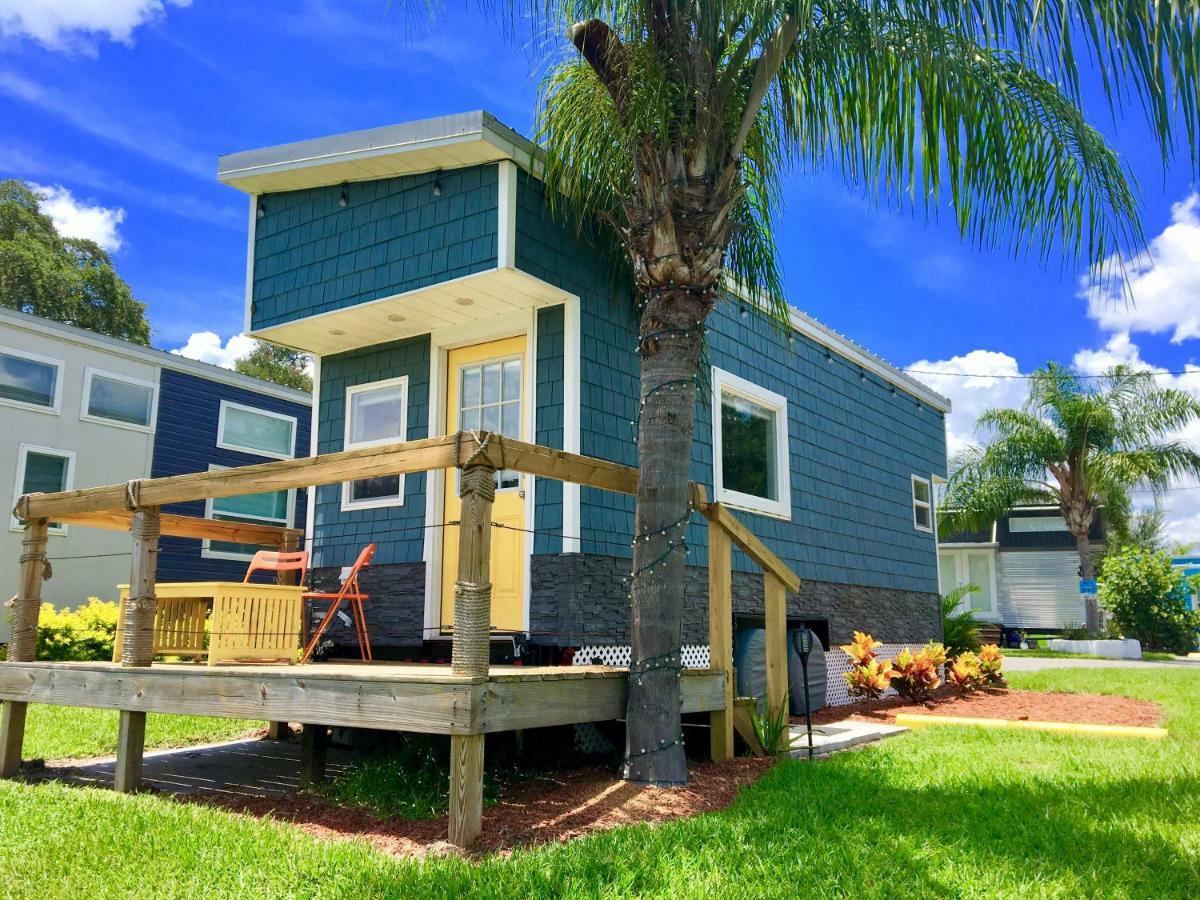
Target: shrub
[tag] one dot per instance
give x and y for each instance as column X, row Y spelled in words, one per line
column 1073, row 631
column 862, row 649
column 915, row 675
column 86, row 633
column 868, row 682
column 960, row 630
column 991, row 665
column 965, row 672
column 1146, row 596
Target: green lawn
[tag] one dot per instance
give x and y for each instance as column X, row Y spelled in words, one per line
column 945, row 812
column 1042, row 653
column 62, row 732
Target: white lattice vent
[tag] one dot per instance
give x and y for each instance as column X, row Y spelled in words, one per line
column 695, row 656
column 837, row 664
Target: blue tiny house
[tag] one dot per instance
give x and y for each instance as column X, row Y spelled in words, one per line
column 420, row 264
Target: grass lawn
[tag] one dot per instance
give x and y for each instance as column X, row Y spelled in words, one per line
column 944, row 812
column 61, row 732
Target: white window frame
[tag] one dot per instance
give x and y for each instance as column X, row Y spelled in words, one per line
column 927, row 505
column 962, row 575
column 86, row 401
column 348, row 504
column 58, row 364
column 22, row 454
column 256, row 410
column 722, row 382
column 206, row 550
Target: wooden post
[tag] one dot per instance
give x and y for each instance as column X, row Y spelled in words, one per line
column 22, row 645
column 313, row 747
column 471, row 647
column 720, row 635
column 137, row 647
column 777, row 653
column 281, row 731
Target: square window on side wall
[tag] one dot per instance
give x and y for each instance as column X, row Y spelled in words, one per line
column 751, row 461
column 118, row 400
column 922, row 503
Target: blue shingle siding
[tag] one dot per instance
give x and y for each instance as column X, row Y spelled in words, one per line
column 185, row 440
column 312, row 255
column 854, row 443
column 398, row 530
column 548, row 426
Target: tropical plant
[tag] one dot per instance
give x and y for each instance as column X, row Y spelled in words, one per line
column 965, row 673
column 1147, row 598
column 862, row 649
column 772, row 729
column 1080, row 445
column 991, row 666
column 67, row 279
column 666, row 137
column 915, row 675
column 960, row 628
column 83, row 634
column 868, row 681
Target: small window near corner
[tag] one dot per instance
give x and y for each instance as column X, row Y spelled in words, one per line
column 750, row 447
column 922, row 504
column 118, row 400
column 376, row 413
column 256, row 431
column 42, row 470
column 30, row 381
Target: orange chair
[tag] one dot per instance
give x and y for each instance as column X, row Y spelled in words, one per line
column 272, row 561
column 352, row 593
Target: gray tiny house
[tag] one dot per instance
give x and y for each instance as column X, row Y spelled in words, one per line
column 420, row 264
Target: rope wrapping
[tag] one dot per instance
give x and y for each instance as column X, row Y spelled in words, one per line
column 479, row 481
column 472, row 628
column 22, row 643
column 137, row 643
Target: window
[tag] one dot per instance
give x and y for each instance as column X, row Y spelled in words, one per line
column 30, row 381
column 43, row 470
column 376, row 413
column 256, row 431
column 489, row 399
column 977, row 567
column 1036, row 524
column 922, row 503
column 270, row 508
column 118, row 400
column 750, row 447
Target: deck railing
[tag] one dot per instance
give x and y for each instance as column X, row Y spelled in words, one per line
column 135, row 506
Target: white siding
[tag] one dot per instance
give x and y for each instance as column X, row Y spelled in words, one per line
column 1039, row 589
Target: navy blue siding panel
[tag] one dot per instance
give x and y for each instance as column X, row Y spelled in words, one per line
column 854, row 443
column 549, row 426
column 398, row 530
column 312, row 255
column 185, row 440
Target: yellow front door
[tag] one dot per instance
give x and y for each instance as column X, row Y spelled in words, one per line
column 485, row 391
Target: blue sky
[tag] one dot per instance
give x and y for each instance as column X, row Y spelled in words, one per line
column 122, row 107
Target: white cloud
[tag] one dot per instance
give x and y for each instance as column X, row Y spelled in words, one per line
column 1164, row 282
column 80, row 219
column 62, row 24
column 991, row 385
column 206, row 346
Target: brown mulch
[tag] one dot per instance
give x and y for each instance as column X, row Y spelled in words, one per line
column 545, row 809
column 1095, row 709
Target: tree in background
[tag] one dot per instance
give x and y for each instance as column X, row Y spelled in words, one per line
column 273, row 362
column 1080, row 445
column 669, row 131
column 69, row 280
column 1147, row 598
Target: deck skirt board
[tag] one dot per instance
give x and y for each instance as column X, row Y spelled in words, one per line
column 417, row 698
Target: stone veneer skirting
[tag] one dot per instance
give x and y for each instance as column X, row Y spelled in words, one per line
column 395, row 611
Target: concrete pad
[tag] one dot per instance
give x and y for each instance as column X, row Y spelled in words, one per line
column 246, row 768
column 839, row 736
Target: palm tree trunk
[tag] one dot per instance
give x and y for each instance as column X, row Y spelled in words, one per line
column 670, row 347
column 1087, row 572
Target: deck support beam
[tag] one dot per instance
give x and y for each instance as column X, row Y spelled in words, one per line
column 289, row 543
column 720, row 635
column 777, row 650
column 137, row 646
column 314, row 745
column 471, row 649
column 23, row 643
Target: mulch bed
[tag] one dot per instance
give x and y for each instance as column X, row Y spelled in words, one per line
column 545, row 809
column 1095, row 709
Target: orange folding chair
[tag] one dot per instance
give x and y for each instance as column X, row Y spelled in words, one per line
column 351, row 593
column 272, row 561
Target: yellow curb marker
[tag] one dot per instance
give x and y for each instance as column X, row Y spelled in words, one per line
column 915, row 720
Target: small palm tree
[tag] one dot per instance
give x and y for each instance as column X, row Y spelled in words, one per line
column 1077, row 446
column 667, row 129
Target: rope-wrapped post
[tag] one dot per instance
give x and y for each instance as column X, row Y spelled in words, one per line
column 23, row 642
column 473, row 589
column 137, row 648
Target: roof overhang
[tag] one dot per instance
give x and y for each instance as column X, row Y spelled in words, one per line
column 445, row 142
column 495, row 295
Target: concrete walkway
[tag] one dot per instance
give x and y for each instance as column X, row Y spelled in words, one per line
column 1037, row 663
column 839, row 736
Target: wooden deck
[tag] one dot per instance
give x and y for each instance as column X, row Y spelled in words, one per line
column 419, row 698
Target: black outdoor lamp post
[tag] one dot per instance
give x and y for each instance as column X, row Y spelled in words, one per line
column 802, row 641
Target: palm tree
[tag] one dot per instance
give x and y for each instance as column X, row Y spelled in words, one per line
column 667, row 129
column 1078, row 446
